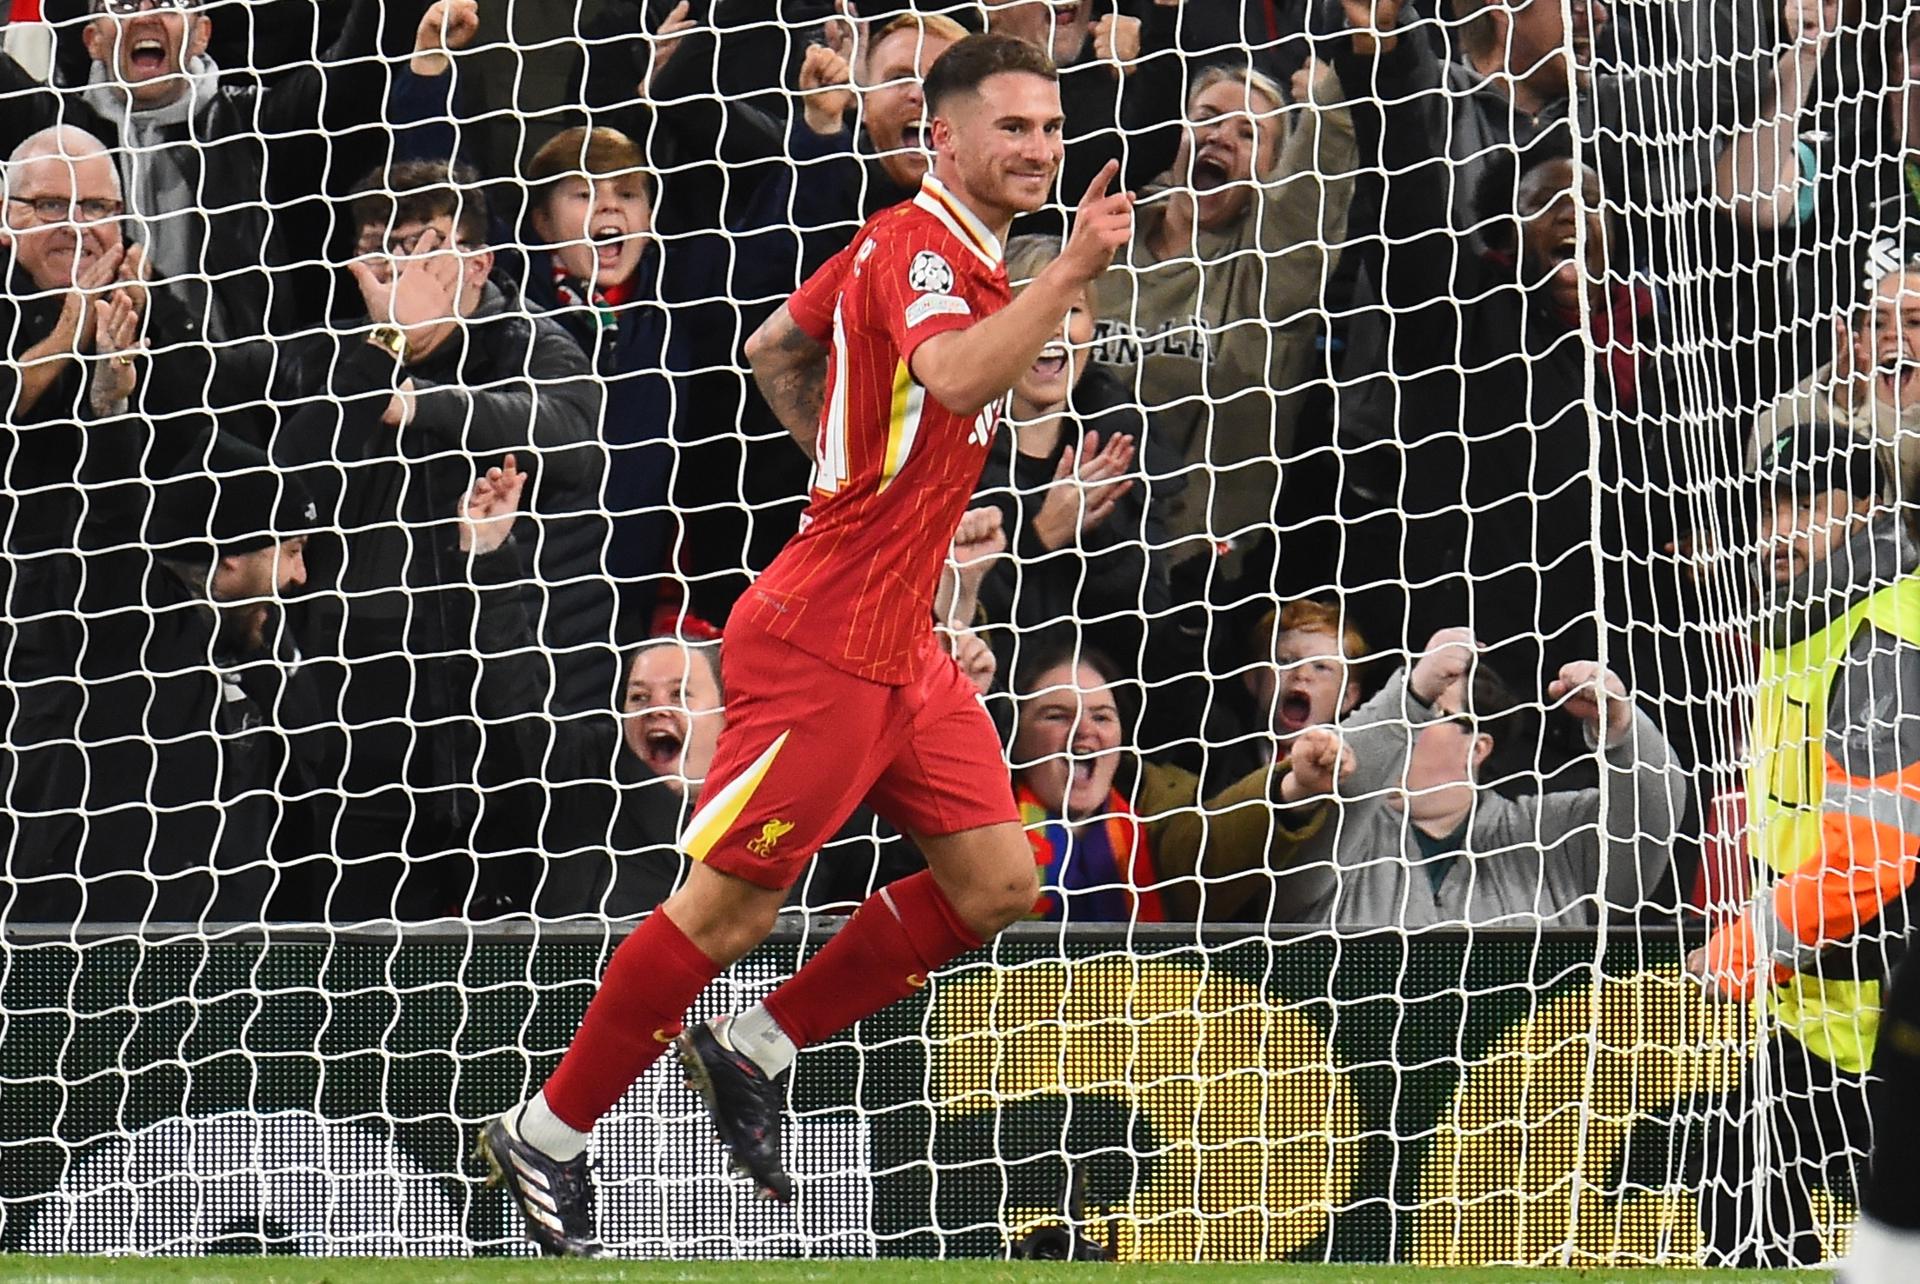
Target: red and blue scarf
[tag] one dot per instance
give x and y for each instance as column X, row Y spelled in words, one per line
column 1101, row 872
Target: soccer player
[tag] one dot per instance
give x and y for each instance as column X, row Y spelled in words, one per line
column 888, row 365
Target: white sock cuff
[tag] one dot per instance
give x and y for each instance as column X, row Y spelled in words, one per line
column 537, row 1125
column 755, row 1034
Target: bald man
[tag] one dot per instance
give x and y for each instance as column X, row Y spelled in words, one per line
column 67, row 272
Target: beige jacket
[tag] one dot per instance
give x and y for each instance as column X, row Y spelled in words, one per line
column 1218, row 343
column 1213, row 859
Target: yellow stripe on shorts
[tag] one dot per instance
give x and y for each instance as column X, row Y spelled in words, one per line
column 710, row 824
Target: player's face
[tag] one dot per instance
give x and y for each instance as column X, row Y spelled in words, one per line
column 1886, row 340
column 598, row 229
column 1003, row 143
column 893, row 106
column 1052, row 376
column 1309, row 684
column 1232, row 134
column 673, row 714
column 1067, row 746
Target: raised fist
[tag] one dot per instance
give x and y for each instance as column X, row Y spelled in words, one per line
column 1319, row 760
column 1448, row 656
column 825, row 87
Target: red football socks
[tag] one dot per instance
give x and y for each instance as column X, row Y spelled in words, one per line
column 636, row 1015
column 884, row 953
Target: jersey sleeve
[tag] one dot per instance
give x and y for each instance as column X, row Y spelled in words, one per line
column 921, row 289
column 811, row 306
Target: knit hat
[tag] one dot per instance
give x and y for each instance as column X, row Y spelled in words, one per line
column 228, row 499
column 1819, row 457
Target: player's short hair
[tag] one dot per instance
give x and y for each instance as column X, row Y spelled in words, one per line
column 589, row 153
column 419, row 191
column 964, row 65
column 1312, row 616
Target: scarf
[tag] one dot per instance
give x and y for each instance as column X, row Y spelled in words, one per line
column 1098, row 872
column 160, row 174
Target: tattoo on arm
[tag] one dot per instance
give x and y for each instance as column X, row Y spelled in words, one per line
column 792, row 376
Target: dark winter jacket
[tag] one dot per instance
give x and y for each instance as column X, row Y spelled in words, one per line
column 505, row 382
column 1115, row 573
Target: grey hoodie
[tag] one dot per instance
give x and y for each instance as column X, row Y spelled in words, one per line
column 1536, row 861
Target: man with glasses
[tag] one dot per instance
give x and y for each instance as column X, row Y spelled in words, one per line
column 202, row 162
column 66, row 268
column 1418, row 837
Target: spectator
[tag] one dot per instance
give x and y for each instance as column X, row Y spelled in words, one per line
column 194, row 154
column 1870, row 385
column 1101, row 859
column 612, row 834
column 65, row 257
column 68, row 265
column 599, row 270
column 150, row 773
column 1509, row 78
column 1308, row 676
column 783, row 192
column 1828, row 813
column 1418, row 837
column 453, row 367
column 1297, row 666
column 1215, row 325
column 1087, row 545
column 1514, row 357
column 891, row 143
column 384, row 425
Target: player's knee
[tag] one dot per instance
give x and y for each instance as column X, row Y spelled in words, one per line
column 995, row 903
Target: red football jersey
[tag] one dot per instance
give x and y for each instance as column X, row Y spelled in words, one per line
column 893, row 468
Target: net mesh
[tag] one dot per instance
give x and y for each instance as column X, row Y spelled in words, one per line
column 1448, row 571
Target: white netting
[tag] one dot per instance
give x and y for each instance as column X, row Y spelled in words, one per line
column 1556, row 360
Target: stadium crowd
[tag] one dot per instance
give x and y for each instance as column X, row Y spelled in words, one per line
column 1283, row 579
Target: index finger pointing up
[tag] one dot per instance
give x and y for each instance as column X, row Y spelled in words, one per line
column 1101, row 181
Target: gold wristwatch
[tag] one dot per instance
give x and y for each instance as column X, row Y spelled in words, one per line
column 393, row 339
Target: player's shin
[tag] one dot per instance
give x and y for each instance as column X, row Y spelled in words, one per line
column 635, row 1016
column 885, row 952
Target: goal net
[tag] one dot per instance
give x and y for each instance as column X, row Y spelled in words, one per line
column 1447, row 596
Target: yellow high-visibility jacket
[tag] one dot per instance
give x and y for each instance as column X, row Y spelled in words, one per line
column 1833, row 798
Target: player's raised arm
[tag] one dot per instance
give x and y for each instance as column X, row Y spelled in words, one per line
column 968, row 369
column 790, row 368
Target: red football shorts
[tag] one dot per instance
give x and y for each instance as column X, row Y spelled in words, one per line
column 806, row 743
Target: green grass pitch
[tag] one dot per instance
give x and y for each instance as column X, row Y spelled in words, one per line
column 280, row 1270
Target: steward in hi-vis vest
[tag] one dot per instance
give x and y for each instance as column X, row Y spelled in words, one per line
column 1833, row 807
